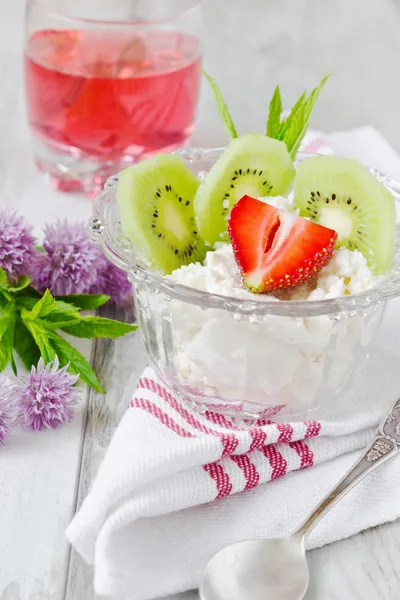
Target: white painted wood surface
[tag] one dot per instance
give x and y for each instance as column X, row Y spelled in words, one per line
column 44, row 476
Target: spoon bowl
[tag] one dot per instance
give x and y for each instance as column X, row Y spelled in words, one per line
column 257, row 570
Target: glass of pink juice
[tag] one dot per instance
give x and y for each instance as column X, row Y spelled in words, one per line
column 109, row 83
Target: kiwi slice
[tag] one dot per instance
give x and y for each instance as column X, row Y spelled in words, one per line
column 342, row 194
column 252, row 164
column 155, row 200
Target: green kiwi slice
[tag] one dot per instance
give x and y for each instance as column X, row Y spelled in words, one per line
column 342, row 194
column 252, row 164
column 155, row 200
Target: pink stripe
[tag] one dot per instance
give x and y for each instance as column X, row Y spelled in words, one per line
column 313, row 429
column 285, row 432
column 271, row 411
column 276, row 460
column 216, row 472
column 249, row 470
column 258, row 439
column 229, row 440
column 229, row 443
column 221, row 420
column 306, row 455
column 165, row 419
column 151, row 385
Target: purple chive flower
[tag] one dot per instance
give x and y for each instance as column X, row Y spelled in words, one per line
column 69, row 265
column 45, row 396
column 8, row 409
column 17, row 245
column 112, row 281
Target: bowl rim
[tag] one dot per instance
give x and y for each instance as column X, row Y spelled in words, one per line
column 121, row 252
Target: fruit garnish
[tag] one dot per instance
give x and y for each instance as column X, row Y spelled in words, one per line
column 251, row 164
column 341, row 193
column 275, row 249
column 155, row 200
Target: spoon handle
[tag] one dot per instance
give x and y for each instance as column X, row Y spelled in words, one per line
column 386, row 443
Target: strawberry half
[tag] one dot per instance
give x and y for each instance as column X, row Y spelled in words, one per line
column 277, row 249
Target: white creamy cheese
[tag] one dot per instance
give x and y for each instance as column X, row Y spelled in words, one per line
column 281, row 360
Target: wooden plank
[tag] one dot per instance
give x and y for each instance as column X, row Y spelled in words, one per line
column 37, row 481
column 114, row 362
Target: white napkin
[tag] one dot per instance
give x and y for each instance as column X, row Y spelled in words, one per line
column 166, row 495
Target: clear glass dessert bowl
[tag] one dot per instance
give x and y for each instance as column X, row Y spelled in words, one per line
column 249, row 357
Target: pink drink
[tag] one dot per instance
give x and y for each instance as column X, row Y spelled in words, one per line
column 107, row 98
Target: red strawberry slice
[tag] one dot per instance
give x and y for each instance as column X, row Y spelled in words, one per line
column 277, row 249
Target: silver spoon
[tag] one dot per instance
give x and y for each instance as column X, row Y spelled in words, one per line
column 277, row 569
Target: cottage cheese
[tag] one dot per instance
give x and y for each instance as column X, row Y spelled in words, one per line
column 278, row 360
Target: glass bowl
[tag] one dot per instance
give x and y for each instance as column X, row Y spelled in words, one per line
column 249, row 358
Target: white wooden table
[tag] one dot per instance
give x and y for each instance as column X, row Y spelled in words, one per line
column 249, row 46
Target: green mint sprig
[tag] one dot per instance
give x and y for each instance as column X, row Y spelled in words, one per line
column 221, row 106
column 290, row 130
column 293, row 128
column 29, row 323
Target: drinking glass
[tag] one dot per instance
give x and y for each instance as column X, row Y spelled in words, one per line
column 109, row 83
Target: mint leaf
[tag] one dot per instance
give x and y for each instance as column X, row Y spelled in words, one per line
column 77, row 362
column 21, row 284
column 7, row 328
column 294, row 127
column 25, row 345
column 40, row 334
column 274, row 115
column 221, row 106
column 13, row 365
column 3, row 278
column 85, row 301
column 27, row 297
column 66, row 308
column 98, row 327
column 308, row 108
column 44, row 306
column 295, row 115
column 59, row 318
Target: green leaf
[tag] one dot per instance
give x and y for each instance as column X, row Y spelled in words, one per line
column 274, row 115
column 59, row 318
column 289, row 123
column 85, row 301
column 7, row 328
column 13, row 365
column 97, row 327
column 43, row 307
column 40, row 249
column 3, row 278
column 6, row 294
column 221, row 106
column 294, row 127
column 40, row 334
column 27, row 297
column 22, row 283
column 26, row 302
column 66, row 308
column 25, row 345
column 77, row 362
column 308, row 108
